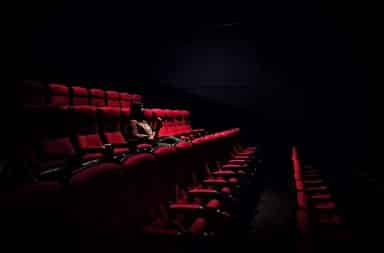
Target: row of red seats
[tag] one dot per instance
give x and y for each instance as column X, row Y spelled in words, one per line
column 174, row 122
column 37, row 94
column 80, row 164
column 201, row 178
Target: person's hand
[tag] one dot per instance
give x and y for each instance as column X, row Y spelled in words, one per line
column 151, row 137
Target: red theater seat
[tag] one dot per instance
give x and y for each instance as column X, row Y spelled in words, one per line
column 58, row 95
column 113, row 98
column 110, row 119
column 125, row 99
column 97, row 97
column 86, row 133
column 80, row 96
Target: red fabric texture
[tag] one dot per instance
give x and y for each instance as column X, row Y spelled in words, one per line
column 91, row 172
column 137, row 159
column 61, row 147
column 80, row 96
column 113, row 98
column 59, row 95
column 97, row 97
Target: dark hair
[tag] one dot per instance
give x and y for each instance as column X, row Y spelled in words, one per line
column 137, row 111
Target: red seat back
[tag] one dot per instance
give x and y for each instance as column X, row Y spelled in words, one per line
column 97, row 97
column 111, row 123
column 113, row 99
column 86, row 129
column 58, row 95
column 125, row 99
column 80, row 96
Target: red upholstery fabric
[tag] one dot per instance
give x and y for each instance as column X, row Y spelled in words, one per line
column 299, row 185
column 136, row 98
column 144, row 146
column 114, row 138
column 61, row 147
column 184, row 145
column 125, row 113
column 198, row 226
column 226, row 189
column 92, row 156
column 59, row 95
column 80, row 96
column 224, row 172
column 186, row 206
column 55, row 146
column 234, row 167
column 164, row 151
column 86, row 131
column 214, row 204
column 89, row 141
column 99, row 170
column 137, row 159
column 125, row 99
column 302, row 200
column 97, row 97
column 113, row 98
column 110, row 119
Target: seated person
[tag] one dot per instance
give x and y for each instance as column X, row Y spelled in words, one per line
column 143, row 132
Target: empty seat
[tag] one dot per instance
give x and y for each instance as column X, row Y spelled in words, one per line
column 80, row 96
column 58, row 95
column 86, row 131
column 113, row 98
column 125, row 99
column 97, row 97
column 55, row 150
column 111, row 123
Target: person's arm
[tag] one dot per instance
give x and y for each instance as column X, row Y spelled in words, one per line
column 135, row 131
column 150, row 132
column 158, row 125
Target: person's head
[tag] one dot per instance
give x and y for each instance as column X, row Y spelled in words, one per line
column 137, row 111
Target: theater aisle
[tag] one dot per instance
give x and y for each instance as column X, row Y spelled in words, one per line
column 273, row 224
column 270, row 222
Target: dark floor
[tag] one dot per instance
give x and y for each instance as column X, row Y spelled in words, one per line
column 269, row 217
column 273, row 224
